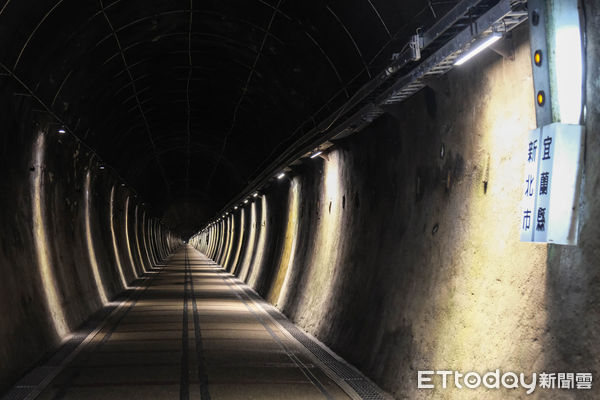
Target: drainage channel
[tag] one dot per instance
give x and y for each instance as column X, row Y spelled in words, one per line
column 305, row 369
column 352, row 381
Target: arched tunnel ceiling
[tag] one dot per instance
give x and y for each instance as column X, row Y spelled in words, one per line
column 188, row 99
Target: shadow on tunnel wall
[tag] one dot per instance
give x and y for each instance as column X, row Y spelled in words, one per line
column 73, row 238
column 401, row 249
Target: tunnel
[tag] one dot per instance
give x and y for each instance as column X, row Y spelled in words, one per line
column 318, row 199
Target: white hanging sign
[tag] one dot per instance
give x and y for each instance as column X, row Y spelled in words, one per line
column 549, row 207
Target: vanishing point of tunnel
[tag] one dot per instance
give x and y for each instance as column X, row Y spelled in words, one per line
column 299, row 199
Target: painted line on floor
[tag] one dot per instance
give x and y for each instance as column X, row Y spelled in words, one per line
column 350, row 386
column 202, row 374
column 184, row 389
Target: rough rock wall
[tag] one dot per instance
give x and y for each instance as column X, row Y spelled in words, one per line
column 72, row 237
column 401, row 250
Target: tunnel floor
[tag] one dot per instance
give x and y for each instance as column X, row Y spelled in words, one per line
column 194, row 331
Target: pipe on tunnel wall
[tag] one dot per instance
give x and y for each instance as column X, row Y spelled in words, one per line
column 67, row 243
column 399, row 256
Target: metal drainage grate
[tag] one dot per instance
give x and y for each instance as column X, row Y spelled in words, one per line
column 357, row 381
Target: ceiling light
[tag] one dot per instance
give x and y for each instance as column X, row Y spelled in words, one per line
column 235, row 208
column 102, row 167
column 255, row 194
column 62, row 131
column 568, row 64
column 317, row 154
column 281, row 175
column 246, row 201
column 494, row 37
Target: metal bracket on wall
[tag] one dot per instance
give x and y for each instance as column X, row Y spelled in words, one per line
column 505, row 48
column 502, row 17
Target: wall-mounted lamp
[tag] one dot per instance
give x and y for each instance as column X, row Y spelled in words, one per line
column 478, row 48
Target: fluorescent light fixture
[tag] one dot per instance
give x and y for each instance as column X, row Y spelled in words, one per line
column 62, row 131
column 255, row 194
column 246, row 201
column 102, row 167
column 317, row 154
column 479, row 47
column 568, row 64
column 281, row 175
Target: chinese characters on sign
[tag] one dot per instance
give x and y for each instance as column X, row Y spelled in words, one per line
column 551, row 184
column 528, row 207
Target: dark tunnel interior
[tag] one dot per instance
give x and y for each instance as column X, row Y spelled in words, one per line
column 187, row 101
column 275, row 199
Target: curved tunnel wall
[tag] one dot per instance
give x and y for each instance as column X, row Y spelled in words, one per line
column 401, row 249
column 72, row 239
